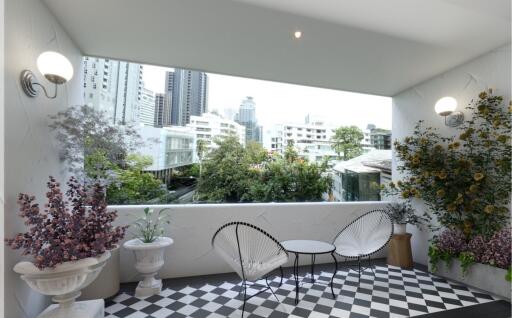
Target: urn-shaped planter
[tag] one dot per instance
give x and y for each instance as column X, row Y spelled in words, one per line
column 149, row 259
column 64, row 283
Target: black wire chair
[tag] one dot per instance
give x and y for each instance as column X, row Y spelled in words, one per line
column 364, row 237
column 251, row 252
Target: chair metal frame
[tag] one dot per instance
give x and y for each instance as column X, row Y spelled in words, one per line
column 360, row 257
column 245, row 282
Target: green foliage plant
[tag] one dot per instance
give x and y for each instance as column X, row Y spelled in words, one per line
column 402, row 212
column 150, row 225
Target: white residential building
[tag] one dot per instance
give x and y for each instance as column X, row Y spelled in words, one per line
column 147, row 107
column 209, row 126
column 168, row 147
column 312, row 140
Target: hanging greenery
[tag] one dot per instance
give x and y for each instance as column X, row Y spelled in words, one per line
column 465, row 180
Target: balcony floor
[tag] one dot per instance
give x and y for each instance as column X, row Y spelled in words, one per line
column 392, row 292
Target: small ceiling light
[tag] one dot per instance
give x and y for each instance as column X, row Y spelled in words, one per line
column 297, row 34
column 54, row 66
column 446, row 107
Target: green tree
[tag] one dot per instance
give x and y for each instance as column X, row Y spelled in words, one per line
column 233, row 173
column 290, row 179
column 134, row 185
column 88, row 139
column 347, row 141
column 255, row 152
column 226, row 174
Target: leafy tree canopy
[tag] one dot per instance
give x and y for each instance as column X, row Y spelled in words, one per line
column 347, row 141
column 233, row 173
column 88, row 138
column 133, row 185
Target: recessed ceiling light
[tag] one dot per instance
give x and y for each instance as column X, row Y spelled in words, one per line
column 297, row 34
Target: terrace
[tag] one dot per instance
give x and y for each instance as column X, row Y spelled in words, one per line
column 415, row 53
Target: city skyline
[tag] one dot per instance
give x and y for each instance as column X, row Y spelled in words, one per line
column 286, row 103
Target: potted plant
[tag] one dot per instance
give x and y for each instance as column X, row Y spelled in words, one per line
column 69, row 242
column 402, row 213
column 148, row 246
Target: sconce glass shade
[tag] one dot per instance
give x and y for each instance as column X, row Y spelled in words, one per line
column 55, row 67
column 445, row 106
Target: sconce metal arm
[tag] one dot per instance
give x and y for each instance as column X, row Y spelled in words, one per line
column 45, row 91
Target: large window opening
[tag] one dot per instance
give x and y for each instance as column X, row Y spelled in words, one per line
column 197, row 137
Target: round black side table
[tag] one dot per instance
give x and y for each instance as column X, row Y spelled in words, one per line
column 313, row 248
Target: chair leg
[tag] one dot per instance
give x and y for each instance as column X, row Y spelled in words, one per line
column 272, row 291
column 359, row 268
column 370, row 264
column 282, row 274
column 245, row 298
column 334, row 274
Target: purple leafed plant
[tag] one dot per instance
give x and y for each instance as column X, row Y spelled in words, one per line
column 498, row 249
column 451, row 241
column 73, row 226
column 477, row 246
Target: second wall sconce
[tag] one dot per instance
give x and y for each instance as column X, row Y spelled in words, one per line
column 446, row 107
column 55, row 67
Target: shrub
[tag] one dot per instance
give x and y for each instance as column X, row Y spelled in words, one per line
column 498, row 248
column 69, row 230
column 452, row 242
column 465, row 179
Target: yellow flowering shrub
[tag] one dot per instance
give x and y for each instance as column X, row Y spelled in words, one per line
column 465, row 179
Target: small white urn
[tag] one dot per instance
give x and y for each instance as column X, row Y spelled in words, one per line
column 64, row 283
column 149, row 259
column 400, row 228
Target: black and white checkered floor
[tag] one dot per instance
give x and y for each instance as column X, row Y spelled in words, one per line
column 392, row 292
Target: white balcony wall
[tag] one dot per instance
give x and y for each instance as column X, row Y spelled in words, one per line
column 31, row 153
column 193, row 226
column 464, row 82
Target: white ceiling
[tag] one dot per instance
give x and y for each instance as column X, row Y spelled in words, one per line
column 371, row 46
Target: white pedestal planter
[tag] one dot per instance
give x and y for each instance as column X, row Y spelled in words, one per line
column 64, row 282
column 481, row 276
column 399, row 228
column 149, row 259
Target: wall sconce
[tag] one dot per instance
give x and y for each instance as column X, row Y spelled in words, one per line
column 54, row 66
column 446, row 107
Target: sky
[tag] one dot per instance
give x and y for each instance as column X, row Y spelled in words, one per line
column 286, row 103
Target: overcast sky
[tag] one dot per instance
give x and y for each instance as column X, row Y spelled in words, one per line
column 282, row 103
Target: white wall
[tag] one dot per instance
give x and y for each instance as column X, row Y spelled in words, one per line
column 30, row 152
column 2, row 151
column 464, row 82
column 192, row 228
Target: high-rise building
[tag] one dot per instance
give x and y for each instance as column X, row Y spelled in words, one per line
column 147, row 107
column 100, row 84
column 188, row 94
column 247, row 117
column 129, row 93
column 114, row 87
column 162, row 117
